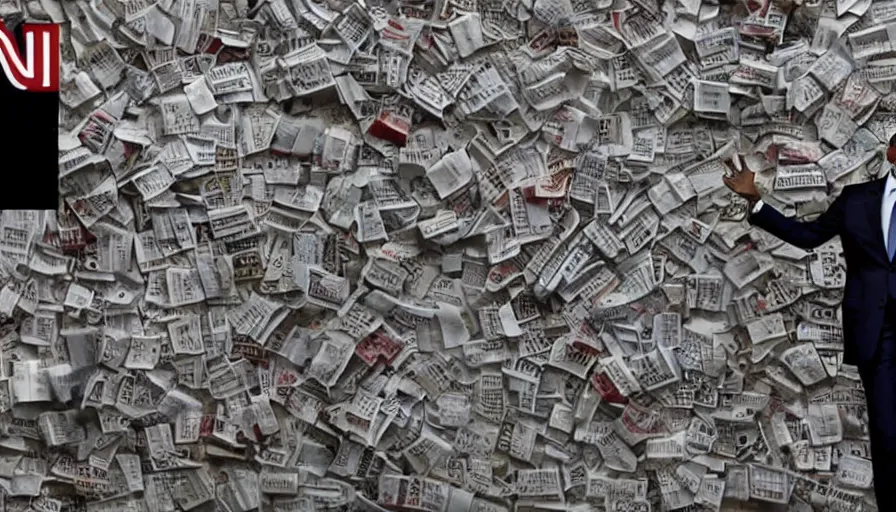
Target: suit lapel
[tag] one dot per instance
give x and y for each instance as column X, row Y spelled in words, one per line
column 872, row 209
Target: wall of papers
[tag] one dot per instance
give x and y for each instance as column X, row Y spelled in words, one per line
column 440, row 255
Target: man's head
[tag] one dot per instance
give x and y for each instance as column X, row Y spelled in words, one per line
column 891, row 150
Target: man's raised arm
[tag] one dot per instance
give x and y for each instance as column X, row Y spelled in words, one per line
column 805, row 235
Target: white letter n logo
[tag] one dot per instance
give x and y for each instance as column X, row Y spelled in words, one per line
column 38, row 71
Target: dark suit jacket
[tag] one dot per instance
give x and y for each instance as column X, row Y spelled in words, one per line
column 870, row 277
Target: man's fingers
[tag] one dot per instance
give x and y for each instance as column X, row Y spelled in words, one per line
column 728, row 182
column 732, row 180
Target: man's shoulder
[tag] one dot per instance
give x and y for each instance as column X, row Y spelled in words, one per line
column 863, row 187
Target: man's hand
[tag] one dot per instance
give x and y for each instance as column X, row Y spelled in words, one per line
column 742, row 182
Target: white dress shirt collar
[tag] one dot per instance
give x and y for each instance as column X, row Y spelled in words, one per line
column 890, row 186
column 886, row 206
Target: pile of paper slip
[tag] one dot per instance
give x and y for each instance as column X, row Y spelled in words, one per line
column 447, row 256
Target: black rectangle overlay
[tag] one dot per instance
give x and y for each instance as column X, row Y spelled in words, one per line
column 29, row 146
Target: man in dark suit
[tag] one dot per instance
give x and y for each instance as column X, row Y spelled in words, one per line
column 864, row 218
